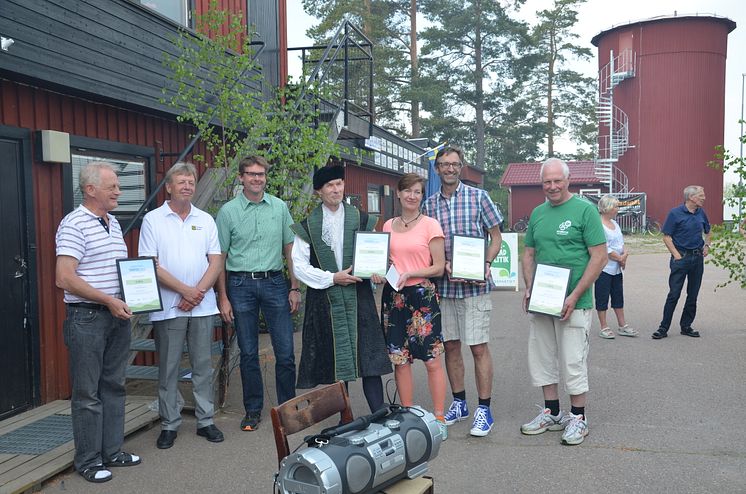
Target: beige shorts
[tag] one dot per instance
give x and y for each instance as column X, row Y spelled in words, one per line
column 560, row 348
column 466, row 319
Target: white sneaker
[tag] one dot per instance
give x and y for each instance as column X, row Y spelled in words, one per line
column 576, row 430
column 545, row 421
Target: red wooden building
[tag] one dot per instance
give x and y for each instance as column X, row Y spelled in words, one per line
column 524, row 185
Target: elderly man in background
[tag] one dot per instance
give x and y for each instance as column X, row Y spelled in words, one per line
column 97, row 327
column 682, row 234
column 184, row 239
column 563, row 231
column 254, row 233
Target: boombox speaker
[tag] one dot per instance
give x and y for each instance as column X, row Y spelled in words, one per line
column 364, row 456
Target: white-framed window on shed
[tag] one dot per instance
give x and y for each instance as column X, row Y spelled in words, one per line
column 590, row 192
column 374, row 199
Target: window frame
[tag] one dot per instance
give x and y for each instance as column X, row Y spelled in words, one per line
column 190, row 10
column 91, row 144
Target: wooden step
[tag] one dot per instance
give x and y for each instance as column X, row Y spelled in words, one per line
column 148, row 345
column 150, row 373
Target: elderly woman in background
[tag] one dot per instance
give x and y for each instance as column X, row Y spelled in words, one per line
column 410, row 310
column 610, row 282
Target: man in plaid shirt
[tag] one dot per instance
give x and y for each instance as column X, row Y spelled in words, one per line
column 465, row 306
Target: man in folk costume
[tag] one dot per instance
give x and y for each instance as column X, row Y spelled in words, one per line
column 341, row 320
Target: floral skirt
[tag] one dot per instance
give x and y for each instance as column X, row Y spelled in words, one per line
column 411, row 323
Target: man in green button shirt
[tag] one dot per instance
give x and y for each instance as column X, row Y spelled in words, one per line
column 254, row 233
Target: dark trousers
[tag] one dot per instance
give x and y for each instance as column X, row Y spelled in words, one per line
column 98, row 344
column 690, row 266
column 270, row 295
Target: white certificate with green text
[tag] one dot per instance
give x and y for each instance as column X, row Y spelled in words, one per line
column 139, row 283
column 468, row 258
column 371, row 255
column 549, row 290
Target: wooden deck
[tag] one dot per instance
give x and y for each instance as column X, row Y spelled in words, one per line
column 19, row 473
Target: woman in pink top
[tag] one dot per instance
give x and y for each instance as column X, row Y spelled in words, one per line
column 410, row 311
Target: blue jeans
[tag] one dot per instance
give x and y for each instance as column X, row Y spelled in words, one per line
column 270, row 295
column 99, row 345
column 690, row 266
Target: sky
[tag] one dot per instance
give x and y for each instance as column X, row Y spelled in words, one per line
column 599, row 15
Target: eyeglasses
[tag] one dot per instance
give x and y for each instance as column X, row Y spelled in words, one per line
column 455, row 165
column 255, row 174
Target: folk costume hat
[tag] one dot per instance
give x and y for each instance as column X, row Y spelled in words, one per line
column 327, row 174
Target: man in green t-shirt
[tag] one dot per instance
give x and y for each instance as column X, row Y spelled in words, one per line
column 563, row 231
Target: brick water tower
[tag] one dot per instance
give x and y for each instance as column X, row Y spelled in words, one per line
column 661, row 108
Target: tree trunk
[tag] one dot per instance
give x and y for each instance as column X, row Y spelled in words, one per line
column 550, row 87
column 479, row 86
column 413, row 68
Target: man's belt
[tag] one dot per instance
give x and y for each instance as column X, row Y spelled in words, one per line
column 90, row 306
column 257, row 275
column 690, row 252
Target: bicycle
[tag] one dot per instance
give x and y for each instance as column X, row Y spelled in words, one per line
column 652, row 227
column 521, row 225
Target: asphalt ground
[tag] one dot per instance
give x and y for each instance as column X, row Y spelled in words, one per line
column 664, row 416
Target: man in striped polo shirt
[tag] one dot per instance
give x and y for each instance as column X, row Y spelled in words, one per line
column 465, row 306
column 254, row 233
column 97, row 328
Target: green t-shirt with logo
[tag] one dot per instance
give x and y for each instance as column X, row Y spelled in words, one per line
column 561, row 236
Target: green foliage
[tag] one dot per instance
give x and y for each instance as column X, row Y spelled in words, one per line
column 567, row 95
column 728, row 249
column 475, row 71
column 222, row 94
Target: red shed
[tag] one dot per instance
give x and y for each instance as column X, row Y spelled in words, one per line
column 666, row 80
column 524, row 185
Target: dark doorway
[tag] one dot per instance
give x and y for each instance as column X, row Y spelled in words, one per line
column 16, row 356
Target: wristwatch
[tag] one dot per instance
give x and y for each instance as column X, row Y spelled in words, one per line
column 294, row 290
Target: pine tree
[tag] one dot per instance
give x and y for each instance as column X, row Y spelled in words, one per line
column 475, row 71
column 567, row 95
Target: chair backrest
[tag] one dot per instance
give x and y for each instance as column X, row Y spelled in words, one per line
column 307, row 409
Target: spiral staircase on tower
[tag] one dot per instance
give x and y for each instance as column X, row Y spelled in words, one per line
column 613, row 123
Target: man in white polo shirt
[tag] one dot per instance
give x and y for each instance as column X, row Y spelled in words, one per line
column 184, row 239
column 97, row 328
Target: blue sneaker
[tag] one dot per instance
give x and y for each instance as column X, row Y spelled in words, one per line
column 482, row 422
column 457, row 412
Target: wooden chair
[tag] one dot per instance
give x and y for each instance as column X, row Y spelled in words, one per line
column 319, row 404
column 306, row 410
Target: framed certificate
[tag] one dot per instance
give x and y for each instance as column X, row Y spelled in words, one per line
column 468, row 258
column 549, row 290
column 371, row 254
column 139, row 283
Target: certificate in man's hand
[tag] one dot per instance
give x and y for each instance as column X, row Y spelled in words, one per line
column 549, row 290
column 468, row 258
column 371, row 254
column 139, row 283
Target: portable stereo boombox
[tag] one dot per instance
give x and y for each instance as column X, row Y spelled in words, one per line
column 365, row 455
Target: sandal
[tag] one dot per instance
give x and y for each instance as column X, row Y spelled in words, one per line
column 96, row 474
column 123, row 459
column 607, row 333
column 626, row 331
